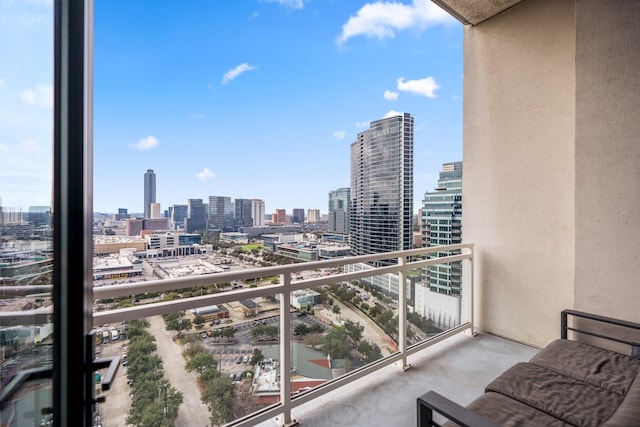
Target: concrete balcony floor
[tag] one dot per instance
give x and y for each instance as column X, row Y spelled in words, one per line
column 458, row 368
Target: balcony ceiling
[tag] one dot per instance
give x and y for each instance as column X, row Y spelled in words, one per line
column 474, row 11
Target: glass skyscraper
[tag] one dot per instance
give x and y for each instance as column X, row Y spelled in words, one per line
column 339, row 210
column 149, row 191
column 442, row 225
column 242, row 214
column 221, row 213
column 196, row 216
column 381, row 211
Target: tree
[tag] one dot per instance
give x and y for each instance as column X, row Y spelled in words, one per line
column 370, row 353
column 335, row 343
column 257, row 356
column 301, row 329
column 218, row 396
column 354, row 330
column 198, row 320
column 202, row 362
column 336, row 309
column 267, row 332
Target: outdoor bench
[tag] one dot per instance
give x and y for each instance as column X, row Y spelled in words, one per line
column 591, row 382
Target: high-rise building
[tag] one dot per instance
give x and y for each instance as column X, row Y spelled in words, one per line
column 196, row 216
column 178, row 213
column 221, row 213
column 155, row 210
column 280, row 216
column 442, row 225
column 257, row 213
column 339, row 210
column 313, row 215
column 242, row 213
column 381, row 211
column 149, row 191
column 297, row 216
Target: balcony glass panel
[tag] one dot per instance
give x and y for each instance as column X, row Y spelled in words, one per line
column 216, row 341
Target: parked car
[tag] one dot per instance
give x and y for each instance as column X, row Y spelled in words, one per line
column 239, row 360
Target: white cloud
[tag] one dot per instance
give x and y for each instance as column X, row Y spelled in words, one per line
column 205, row 174
column 390, row 95
column 290, row 4
column 340, row 134
column 146, row 143
column 383, row 19
column 362, row 124
column 425, row 87
column 232, row 74
column 40, row 96
column 392, row 114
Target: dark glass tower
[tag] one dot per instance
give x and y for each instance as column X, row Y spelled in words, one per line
column 196, row 216
column 149, row 191
column 381, row 211
column 242, row 213
column 221, row 213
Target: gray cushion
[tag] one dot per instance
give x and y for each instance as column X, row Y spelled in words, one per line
column 511, row 413
column 603, row 368
column 562, row 397
column 628, row 413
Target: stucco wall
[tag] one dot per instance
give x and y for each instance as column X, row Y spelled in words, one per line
column 518, row 188
column 608, row 158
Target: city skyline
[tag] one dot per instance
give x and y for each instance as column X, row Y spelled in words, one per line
column 229, row 99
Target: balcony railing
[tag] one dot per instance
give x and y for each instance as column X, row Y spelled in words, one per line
column 289, row 281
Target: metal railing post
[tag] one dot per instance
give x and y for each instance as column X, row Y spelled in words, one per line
column 285, row 350
column 402, row 310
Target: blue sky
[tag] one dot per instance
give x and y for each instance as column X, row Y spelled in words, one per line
column 245, row 99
